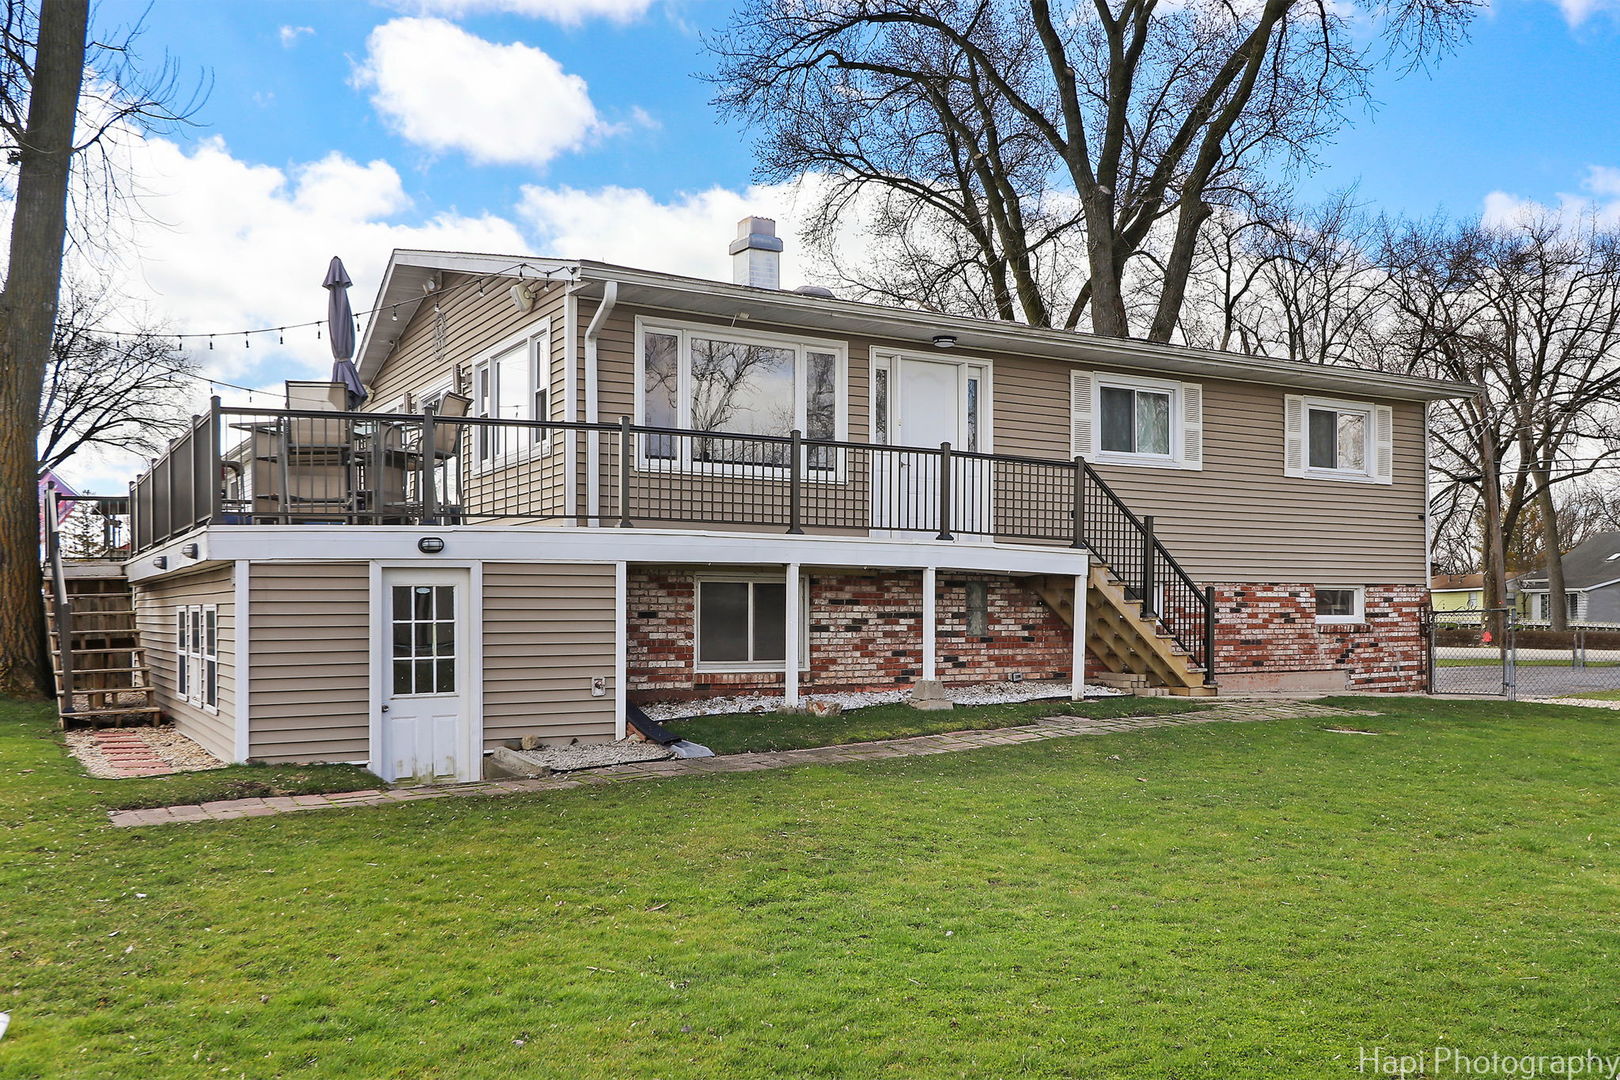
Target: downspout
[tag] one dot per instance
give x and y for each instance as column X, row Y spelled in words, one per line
column 593, row 442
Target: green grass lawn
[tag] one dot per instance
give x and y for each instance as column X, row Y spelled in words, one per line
column 1597, row 695
column 1220, row 900
column 738, row 733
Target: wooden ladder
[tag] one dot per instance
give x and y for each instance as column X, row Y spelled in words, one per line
column 109, row 684
column 1127, row 642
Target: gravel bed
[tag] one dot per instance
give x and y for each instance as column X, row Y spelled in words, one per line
column 596, row 755
column 171, row 747
column 1002, row 693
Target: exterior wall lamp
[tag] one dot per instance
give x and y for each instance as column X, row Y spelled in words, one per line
column 430, row 545
column 944, row 341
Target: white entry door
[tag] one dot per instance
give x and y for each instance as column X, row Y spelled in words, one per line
column 933, row 402
column 426, row 722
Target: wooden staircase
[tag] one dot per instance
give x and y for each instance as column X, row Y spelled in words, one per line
column 106, row 681
column 1127, row 642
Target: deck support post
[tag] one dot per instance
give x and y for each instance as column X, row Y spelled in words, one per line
column 930, row 622
column 1077, row 687
column 790, row 654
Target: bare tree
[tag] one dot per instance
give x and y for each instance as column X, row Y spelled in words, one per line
column 124, row 394
column 1530, row 314
column 1091, row 129
column 53, row 132
column 49, row 75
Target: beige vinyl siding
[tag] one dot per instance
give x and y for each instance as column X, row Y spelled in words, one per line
column 473, row 326
column 1238, row 519
column 156, row 603
column 310, row 650
column 548, row 630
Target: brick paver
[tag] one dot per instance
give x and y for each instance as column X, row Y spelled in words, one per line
column 953, row 742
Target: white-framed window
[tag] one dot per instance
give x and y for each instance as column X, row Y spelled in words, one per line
column 742, row 623
column 197, row 655
column 1329, row 439
column 511, row 383
column 1135, row 420
column 1574, row 606
column 722, row 380
column 1341, row 604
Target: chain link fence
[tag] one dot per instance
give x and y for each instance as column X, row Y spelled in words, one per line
column 1492, row 653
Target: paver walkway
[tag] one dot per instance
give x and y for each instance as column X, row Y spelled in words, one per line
column 1056, row 727
column 124, row 750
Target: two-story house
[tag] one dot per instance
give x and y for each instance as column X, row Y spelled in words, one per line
column 576, row 486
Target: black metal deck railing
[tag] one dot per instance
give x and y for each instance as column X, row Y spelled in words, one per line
column 249, row 467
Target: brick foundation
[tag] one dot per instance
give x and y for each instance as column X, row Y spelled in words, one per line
column 865, row 633
column 1272, row 629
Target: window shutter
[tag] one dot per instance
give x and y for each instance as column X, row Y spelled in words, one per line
column 1082, row 440
column 1383, row 444
column 1192, row 426
column 1293, row 435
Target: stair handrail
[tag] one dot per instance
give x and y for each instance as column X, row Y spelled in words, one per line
column 62, row 613
column 1200, row 647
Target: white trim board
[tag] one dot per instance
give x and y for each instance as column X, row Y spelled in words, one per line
column 573, row 544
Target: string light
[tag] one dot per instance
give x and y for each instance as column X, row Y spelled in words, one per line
column 515, row 270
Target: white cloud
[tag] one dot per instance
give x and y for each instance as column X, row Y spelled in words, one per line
column 290, row 34
column 445, row 89
column 563, row 11
column 1576, row 12
column 687, row 235
column 1598, row 200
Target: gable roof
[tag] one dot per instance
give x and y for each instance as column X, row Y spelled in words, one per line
column 1456, row 582
column 410, row 270
column 1593, row 563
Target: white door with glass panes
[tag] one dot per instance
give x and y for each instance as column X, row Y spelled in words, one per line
column 426, row 724
column 929, row 402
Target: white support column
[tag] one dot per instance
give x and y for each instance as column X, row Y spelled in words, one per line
column 930, row 621
column 1077, row 688
column 790, row 655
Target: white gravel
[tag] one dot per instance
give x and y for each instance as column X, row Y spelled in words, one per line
column 596, row 755
column 982, row 694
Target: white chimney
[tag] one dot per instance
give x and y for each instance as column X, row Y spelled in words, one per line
column 756, row 254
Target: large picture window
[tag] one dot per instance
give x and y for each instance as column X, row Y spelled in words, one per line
column 728, row 383
column 742, row 625
column 511, row 385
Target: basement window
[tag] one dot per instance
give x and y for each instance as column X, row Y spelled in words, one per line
column 1340, row 605
column 742, row 624
column 197, row 655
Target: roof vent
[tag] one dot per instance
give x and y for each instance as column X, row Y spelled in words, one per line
column 816, row 290
column 756, row 254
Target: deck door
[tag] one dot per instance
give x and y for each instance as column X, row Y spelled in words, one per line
column 933, row 401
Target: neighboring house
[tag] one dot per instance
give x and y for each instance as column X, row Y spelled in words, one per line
column 665, row 487
column 1591, row 584
column 1457, row 592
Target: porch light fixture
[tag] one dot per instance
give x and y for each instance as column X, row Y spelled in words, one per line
column 430, row 545
column 161, row 562
column 944, row 341
column 189, row 551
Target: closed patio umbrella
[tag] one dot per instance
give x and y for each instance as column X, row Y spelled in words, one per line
column 340, row 326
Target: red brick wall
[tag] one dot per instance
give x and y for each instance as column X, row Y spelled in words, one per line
column 865, row 633
column 1273, row 628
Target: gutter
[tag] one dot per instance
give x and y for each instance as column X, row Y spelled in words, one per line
column 593, row 444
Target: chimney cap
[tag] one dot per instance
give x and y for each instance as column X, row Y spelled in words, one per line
column 756, row 234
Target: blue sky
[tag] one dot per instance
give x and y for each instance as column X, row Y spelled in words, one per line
column 578, row 128
column 1524, row 107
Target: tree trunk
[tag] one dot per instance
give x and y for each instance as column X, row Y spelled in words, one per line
column 27, row 319
column 1557, row 605
column 1492, row 540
